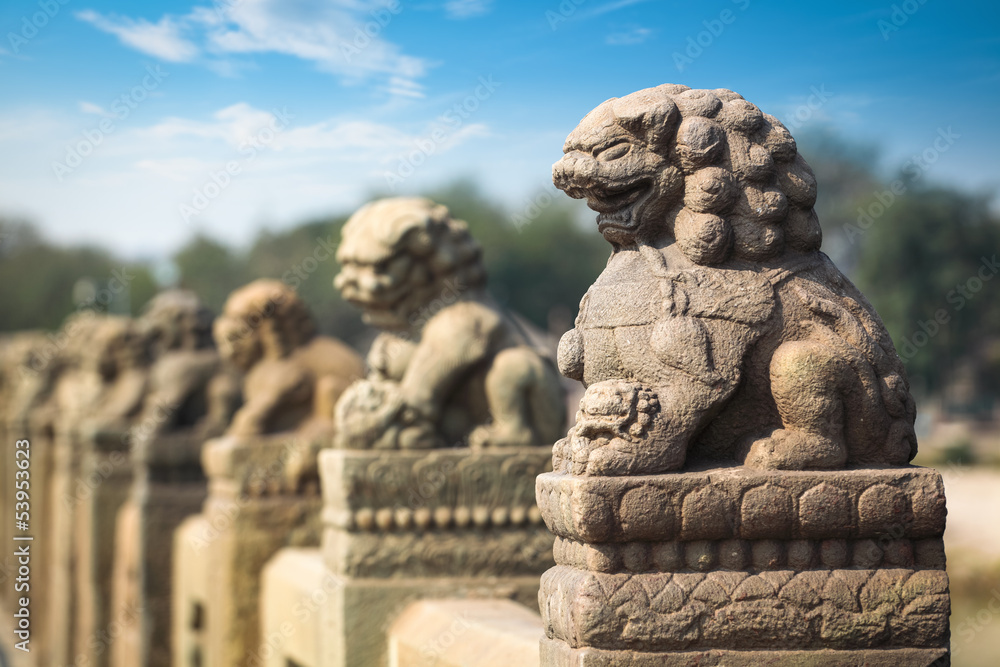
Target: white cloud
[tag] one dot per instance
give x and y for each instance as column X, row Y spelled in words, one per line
column 340, row 37
column 610, row 7
column 128, row 190
column 629, row 37
column 161, row 39
column 463, row 9
column 91, row 108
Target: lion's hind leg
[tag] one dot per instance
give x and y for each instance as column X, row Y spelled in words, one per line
column 525, row 401
column 807, row 382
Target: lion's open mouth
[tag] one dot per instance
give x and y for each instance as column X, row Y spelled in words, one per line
column 615, row 205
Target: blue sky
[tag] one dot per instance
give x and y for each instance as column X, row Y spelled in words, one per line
column 134, row 125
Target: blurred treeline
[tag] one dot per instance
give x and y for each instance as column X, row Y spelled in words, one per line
column 913, row 255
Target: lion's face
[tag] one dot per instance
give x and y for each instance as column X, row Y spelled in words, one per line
column 384, row 289
column 627, row 181
column 238, row 341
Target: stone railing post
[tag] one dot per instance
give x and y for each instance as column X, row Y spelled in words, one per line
column 400, row 526
column 259, row 501
column 736, row 489
column 168, row 486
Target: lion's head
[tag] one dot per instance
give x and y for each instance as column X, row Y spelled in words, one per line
column 399, row 255
column 177, row 320
column 704, row 167
column 265, row 319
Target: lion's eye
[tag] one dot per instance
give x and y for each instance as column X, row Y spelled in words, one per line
column 613, row 151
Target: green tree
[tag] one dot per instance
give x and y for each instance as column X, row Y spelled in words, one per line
column 211, row 270
column 928, row 265
column 45, row 283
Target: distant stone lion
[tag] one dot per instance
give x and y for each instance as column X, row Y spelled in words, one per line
column 718, row 330
column 450, row 367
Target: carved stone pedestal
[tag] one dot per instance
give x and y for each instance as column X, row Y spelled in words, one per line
column 406, row 525
column 262, row 496
column 102, row 487
column 733, row 566
column 168, row 486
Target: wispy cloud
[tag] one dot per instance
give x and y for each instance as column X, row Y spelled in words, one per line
column 628, row 37
column 91, row 108
column 348, row 138
column 340, row 37
column 463, row 9
column 161, row 39
column 609, row 7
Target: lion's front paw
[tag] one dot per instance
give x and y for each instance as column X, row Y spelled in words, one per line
column 371, row 414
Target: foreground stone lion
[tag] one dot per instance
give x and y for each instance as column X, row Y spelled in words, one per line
column 450, row 366
column 718, row 330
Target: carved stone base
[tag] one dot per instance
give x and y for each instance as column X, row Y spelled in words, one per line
column 401, row 526
column 251, row 512
column 731, row 564
column 559, row 654
column 168, row 487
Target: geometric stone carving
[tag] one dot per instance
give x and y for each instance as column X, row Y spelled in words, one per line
column 720, row 504
column 647, row 590
column 825, row 511
column 404, row 525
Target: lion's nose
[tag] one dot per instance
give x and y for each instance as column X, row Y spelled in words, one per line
column 575, row 173
column 568, row 174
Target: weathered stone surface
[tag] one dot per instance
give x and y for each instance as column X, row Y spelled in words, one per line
column 292, row 376
column 724, row 503
column 406, row 525
column 892, row 608
column 258, row 503
column 451, row 367
column 263, row 480
column 558, row 654
column 735, row 488
column 718, row 330
column 445, row 512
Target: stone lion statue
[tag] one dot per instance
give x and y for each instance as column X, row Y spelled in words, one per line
column 188, row 386
column 718, row 330
column 116, row 358
column 293, row 377
column 450, row 366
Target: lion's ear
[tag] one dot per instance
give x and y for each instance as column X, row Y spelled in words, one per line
column 646, row 115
